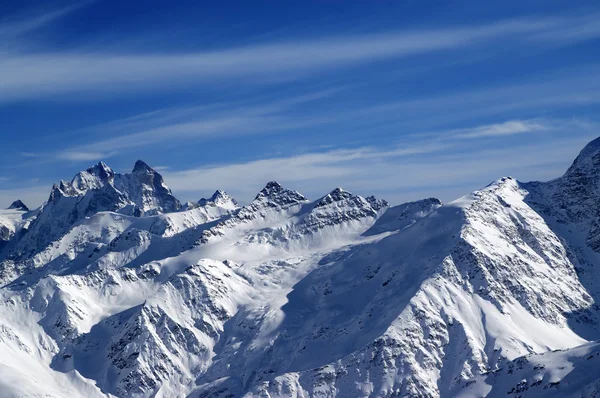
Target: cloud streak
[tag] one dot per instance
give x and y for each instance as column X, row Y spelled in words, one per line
column 440, row 164
column 11, row 28
column 199, row 123
column 510, row 127
column 33, row 75
column 397, row 173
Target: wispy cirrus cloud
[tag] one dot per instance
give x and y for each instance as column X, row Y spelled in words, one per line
column 442, row 163
column 84, row 156
column 394, row 173
column 23, row 24
column 510, row 127
column 200, row 123
column 39, row 74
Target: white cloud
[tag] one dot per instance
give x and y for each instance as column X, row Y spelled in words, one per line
column 437, row 165
column 208, row 122
column 393, row 173
column 510, row 127
column 28, row 75
column 17, row 26
column 84, row 156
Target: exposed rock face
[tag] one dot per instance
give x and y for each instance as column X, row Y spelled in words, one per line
column 146, row 188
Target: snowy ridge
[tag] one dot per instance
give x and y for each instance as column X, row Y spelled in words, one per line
column 560, row 373
column 113, row 288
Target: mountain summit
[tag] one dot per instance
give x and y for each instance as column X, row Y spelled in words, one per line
column 113, row 288
column 18, row 205
column 97, row 189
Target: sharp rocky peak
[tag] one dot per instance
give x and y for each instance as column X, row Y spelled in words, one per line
column 274, row 193
column 101, row 170
column 339, row 195
column 272, row 188
column 142, row 167
column 588, row 160
column 18, row 205
column 94, row 177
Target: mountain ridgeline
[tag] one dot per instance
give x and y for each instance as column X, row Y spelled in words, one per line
column 114, row 288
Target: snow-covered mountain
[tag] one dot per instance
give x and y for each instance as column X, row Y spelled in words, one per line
column 113, row 288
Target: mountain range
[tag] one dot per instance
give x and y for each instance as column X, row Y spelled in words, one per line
column 114, row 288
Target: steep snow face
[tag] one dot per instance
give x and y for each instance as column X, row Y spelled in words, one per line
column 400, row 217
column 418, row 312
column 116, row 290
column 282, row 219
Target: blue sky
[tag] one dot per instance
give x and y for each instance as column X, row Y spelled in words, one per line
column 401, row 99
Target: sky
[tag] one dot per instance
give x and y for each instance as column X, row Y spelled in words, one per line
column 399, row 99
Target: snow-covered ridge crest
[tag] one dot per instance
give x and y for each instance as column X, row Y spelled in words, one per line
column 279, row 216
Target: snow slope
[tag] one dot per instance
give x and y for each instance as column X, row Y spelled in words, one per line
column 113, row 288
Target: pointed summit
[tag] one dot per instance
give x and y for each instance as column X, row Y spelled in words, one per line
column 277, row 195
column 101, row 170
column 587, row 161
column 18, row 205
column 93, row 178
column 147, row 189
column 272, row 187
column 337, row 195
column 142, row 167
column 219, row 198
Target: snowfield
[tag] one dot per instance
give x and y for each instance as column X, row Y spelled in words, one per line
column 113, row 288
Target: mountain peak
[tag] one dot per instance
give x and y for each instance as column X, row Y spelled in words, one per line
column 588, row 159
column 377, row 204
column 18, row 205
column 272, row 186
column 102, row 171
column 141, row 167
column 336, row 195
column 219, row 198
column 277, row 195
